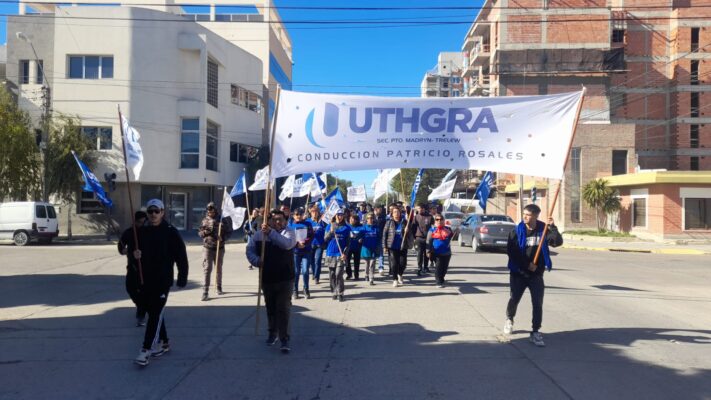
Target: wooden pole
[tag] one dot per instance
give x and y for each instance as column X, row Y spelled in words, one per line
column 266, row 210
column 246, row 198
column 219, row 234
column 565, row 165
column 402, row 185
column 130, row 199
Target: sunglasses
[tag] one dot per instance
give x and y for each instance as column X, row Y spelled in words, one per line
column 153, row 211
column 438, row 219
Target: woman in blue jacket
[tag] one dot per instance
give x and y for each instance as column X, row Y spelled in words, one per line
column 318, row 244
column 439, row 238
column 338, row 237
column 371, row 244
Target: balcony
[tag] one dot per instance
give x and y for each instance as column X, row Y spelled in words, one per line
column 480, row 85
column 480, row 55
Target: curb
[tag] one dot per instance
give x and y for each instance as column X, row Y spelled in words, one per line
column 690, row 252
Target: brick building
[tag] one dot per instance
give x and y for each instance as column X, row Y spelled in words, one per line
column 644, row 66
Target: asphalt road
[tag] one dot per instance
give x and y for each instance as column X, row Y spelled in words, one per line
column 632, row 326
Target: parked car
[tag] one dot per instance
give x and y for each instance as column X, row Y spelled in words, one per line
column 486, row 231
column 28, row 220
column 453, row 220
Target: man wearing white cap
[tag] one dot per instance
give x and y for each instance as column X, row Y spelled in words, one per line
column 159, row 248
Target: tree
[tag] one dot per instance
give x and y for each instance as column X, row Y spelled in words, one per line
column 342, row 184
column 431, row 178
column 20, row 159
column 602, row 198
column 63, row 176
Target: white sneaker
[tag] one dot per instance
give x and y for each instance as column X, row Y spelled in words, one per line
column 143, row 357
column 395, row 283
column 163, row 347
column 399, row 279
column 382, row 272
column 537, row 339
column 508, row 327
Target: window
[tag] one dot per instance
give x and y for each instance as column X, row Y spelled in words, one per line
column 619, row 162
column 694, row 104
column 695, row 39
column 88, row 204
column 575, row 184
column 445, row 83
column 212, row 83
column 697, row 213
column 234, row 151
column 190, row 143
column 694, row 163
column 694, row 76
column 211, row 148
column 618, row 36
column 40, row 75
column 455, row 79
column 455, row 93
column 639, row 212
column 24, row 73
column 100, row 137
column 694, row 136
column 40, row 211
column 244, row 98
column 240, row 152
column 91, row 67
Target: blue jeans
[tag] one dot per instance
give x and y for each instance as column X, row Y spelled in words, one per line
column 315, row 262
column 301, row 265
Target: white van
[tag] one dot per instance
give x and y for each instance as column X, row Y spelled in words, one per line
column 28, row 220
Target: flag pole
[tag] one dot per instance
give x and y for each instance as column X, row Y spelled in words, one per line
column 246, row 197
column 267, row 200
column 565, row 165
column 402, row 185
column 128, row 188
column 219, row 233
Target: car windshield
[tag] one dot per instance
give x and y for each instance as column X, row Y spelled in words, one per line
column 450, row 215
column 495, row 218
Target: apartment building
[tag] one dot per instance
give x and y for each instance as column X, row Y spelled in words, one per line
column 445, row 79
column 194, row 96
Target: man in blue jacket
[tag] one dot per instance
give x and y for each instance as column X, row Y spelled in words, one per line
column 304, row 234
column 338, row 239
column 522, row 246
column 318, row 243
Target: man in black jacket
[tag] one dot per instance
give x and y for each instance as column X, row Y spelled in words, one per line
column 159, row 247
column 133, row 281
column 523, row 272
column 277, row 273
column 423, row 223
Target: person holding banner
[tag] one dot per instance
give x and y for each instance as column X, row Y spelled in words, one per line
column 318, row 242
column 338, row 237
column 353, row 252
column 304, row 234
column 397, row 239
column 213, row 231
column 522, row 245
column 160, row 247
column 277, row 273
column 439, row 250
column 371, row 245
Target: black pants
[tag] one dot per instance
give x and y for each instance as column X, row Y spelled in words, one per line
column 132, row 288
column 535, row 285
column 398, row 261
column 422, row 260
column 442, row 265
column 277, row 297
column 155, row 328
column 353, row 255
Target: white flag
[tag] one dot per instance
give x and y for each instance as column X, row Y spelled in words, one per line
column 356, row 193
column 330, row 212
column 381, row 184
column 229, row 210
column 287, row 189
column 527, row 135
column 451, row 174
column 134, row 153
column 443, row 191
column 260, row 179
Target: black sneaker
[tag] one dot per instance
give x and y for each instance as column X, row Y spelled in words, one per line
column 334, row 297
column 340, row 297
column 419, row 273
column 285, row 346
column 307, row 293
column 205, row 296
column 219, row 291
column 427, row 270
column 271, row 340
column 141, row 321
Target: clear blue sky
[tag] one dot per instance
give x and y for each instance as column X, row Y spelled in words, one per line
column 343, row 55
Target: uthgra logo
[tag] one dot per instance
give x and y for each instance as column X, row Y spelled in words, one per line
column 417, row 120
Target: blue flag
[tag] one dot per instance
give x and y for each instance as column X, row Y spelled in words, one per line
column 484, row 189
column 91, row 184
column 416, row 187
column 240, row 186
column 335, row 194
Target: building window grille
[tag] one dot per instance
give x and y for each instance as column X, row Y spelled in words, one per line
column 99, row 137
column 211, row 149
column 694, row 136
column 190, row 143
column 212, row 83
column 575, row 185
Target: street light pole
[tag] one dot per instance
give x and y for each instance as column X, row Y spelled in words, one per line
column 46, row 111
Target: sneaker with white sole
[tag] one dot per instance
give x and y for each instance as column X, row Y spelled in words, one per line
column 537, row 339
column 399, row 279
column 163, row 348
column 395, row 283
column 508, row 326
column 143, row 357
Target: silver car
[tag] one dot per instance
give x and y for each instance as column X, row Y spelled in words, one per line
column 453, row 220
column 486, row 231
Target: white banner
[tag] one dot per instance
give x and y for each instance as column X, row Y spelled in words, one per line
column 527, row 135
column 134, row 154
column 330, row 212
column 288, row 188
column 260, row 179
column 381, row 184
column 228, row 210
column 356, row 193
column 443, row 191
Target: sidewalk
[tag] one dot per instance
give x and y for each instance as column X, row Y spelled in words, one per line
column 638, row 247
column 189, row 237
